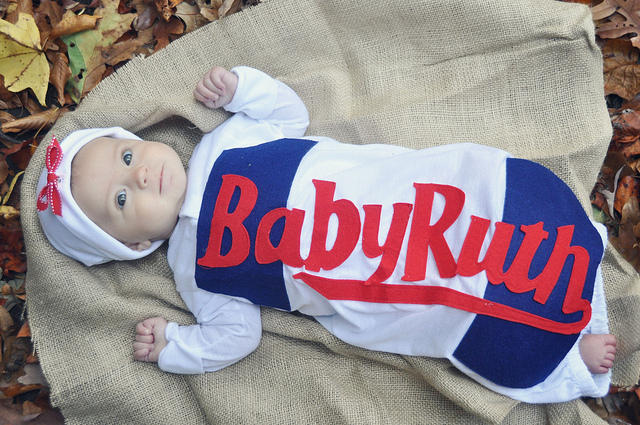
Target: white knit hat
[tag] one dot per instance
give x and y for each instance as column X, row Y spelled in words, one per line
column 67, row 227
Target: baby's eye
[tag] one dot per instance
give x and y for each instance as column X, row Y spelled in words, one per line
column 121, row 198
column 126, row 157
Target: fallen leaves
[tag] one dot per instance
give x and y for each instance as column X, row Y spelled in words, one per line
column 24, row 396
column 616, row 194
column 618, row 18
column 621, row 68
column 85, row 48
column 60, row 50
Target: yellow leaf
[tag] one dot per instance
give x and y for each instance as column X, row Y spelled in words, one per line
column 7, row 212
column 22, row 61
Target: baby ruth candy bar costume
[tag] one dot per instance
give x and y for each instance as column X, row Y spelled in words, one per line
column 64, row 223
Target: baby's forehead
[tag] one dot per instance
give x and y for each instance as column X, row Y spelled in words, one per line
column 95, row 149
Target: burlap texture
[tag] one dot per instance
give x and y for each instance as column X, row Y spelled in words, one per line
column 525, row 76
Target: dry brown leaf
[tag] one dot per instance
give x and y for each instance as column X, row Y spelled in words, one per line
column 621, row 17
column 49, row 10
column 228, row 7
column 47, row 14
column 626, row 242
column 72, row 23
column 17, row 389
column 21, row 6
column 209, row 10
column 125, row 50
column 60, row 73
column 5, row 320
column 30, row 410
column 6, row 117
column 147, row 15
column 626, row 125
column 621, row 68
column 37, row 121
column 188, row 14
column 4, row 170
column 164, row 30
column 167, row 8
column 627, row 187
column 32, row 106
column 25, row 331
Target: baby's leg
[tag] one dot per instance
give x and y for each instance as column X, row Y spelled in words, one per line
column 598, row 352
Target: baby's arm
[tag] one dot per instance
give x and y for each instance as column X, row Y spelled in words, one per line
column 216, row 88
column 258, row 96
column 150, row 339
column 227, row 330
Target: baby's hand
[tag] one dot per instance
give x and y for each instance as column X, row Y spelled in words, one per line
column 216, row 88
column 150, row 339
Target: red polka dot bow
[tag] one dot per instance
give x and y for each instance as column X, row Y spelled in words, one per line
column 49, row 195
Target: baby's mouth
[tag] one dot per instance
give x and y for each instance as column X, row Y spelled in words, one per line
column 161, row 177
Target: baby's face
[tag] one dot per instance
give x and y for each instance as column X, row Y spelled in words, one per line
column 132, row 189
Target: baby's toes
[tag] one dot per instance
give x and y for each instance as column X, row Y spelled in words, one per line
column 609, row 340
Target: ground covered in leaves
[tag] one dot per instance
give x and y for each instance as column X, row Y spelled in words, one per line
column 54, row 52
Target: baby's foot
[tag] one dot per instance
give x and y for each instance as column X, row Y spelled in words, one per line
column 598, row 352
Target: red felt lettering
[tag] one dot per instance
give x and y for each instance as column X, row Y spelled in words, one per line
column 288, row 249
column 573, row 300
column 390, row 251
column 517, row 277
column 348, row 232
column 545, row 282
column 224, row 219
column 496, row 255
column 468, row 264
column 424, row 236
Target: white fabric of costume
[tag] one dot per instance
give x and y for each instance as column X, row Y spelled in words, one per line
column 316, row 237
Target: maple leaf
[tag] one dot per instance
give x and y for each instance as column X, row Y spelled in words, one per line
column 85, row 48
column 621, row 68
column 621, row 17
column 22, row 60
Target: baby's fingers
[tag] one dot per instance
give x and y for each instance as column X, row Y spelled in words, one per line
column 145, row 339
column 213, row 82
column 142, row 329
column 209, row 99
column 141, row 351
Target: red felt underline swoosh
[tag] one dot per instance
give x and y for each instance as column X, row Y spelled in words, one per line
column 356, row 290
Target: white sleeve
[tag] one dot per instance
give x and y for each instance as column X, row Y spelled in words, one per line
column 227, row 331
column 263, row 98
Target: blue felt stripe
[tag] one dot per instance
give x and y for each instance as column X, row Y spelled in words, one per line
column 272, row 167
column 515, row 355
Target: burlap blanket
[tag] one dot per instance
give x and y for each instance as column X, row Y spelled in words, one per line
column 525, row 76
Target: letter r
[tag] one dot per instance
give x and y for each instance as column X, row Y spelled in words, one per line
column 423, row 235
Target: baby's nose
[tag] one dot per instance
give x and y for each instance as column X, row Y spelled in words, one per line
column 140, row 175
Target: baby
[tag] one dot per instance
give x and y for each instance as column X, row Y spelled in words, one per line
column 459, row 251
